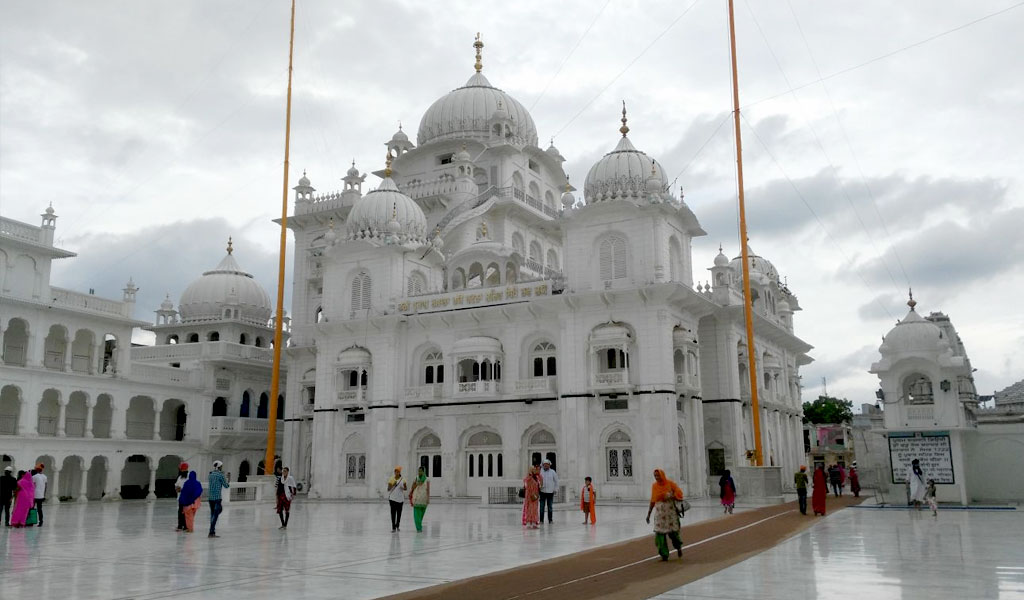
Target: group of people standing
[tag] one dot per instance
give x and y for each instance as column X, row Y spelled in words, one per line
column 836, row 476
column 190, row 491
column 538, row 491
column 419, row 498
column 27, row 492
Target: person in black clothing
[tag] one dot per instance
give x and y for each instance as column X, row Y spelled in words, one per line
column 835, row 479
column 8, row 485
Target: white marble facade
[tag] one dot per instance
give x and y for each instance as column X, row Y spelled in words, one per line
column 474, row 315
column 106, row 418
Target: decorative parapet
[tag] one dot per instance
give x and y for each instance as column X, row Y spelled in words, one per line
column 22, row 231
column 474, row 297
column 80, row 301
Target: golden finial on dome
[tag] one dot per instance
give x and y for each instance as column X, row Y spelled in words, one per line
column 911, row 303
column 387, row 165
column 230, row 249
column 625, row 128
column 478, row 45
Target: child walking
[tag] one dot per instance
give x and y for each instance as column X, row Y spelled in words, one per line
column 588, row 498
column 929, row 496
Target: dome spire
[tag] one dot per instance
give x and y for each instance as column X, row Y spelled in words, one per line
column 625, row 128
column 387, row 165
column 911, row 303
column 230, row 249
column 478, row 44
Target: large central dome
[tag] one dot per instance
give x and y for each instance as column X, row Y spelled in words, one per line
column 219, row 292
column 464, row 113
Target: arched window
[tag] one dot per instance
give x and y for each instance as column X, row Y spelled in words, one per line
column 619, row 453
column 361, row 289
column 535, row 253
column 517, row 243
column 543, row 360
column 433, row 368
column 485, row 460
column 220, row 407
column 213, row 336
column 193, row 338
column 416, row 285
column 243, row 410
column 612, row 259
column 263, row 408
column 428, row 453
column 243, row 339
column 552, row 260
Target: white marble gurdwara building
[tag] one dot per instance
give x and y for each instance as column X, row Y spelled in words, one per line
column 110, row 420
column 471, row 314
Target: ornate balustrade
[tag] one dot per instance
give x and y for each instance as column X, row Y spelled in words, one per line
column 78, row 300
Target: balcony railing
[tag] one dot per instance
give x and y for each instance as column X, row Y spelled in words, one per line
column 88, row 302
column 214, row 350
column 165, row 375
column 433, row 391
column 139, row 430
column 610, row 378
column 22, row 231
column 8, row 424
column 74, row 427
column 536, row 385
column 477, row 388
column 241, row 425
column 472, row 297
column 47, row 426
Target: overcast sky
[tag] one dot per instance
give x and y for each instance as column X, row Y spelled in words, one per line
column 876, row 157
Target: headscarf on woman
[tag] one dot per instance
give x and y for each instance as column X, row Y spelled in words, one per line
column 191, row 491
column 820, row 491
column 23, row 500
column 663, row 485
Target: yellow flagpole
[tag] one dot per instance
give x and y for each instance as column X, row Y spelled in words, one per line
column 275, row 377
column 748, row 311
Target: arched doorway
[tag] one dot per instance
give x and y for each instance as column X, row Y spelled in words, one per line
column 243, row 471
column 484, row 462
column 97, row 479
column 70, row 479
column 135, row 477
column 541, row 446
column 220, row 407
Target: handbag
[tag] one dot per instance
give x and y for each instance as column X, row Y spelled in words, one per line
column 681, row 507
column 522, row 492
column 33, row 517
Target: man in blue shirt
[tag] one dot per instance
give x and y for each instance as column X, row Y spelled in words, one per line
column 216, row 483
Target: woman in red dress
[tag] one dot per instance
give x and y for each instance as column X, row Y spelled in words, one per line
column 531, row 504
column 820, row 491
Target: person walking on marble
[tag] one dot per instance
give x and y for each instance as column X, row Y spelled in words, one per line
column 588, row 501
column 800, row 481
column 727, row 492
column 548, row 487
column 396, row 498
column 419, row 498
column 285, row 492
column 833, row 479
column 189, row 501
column 820, row 491
column 178, row 485
column 664, row 495
column 215, row 484
column 930, row 497
column 39, row 481
column 854, row 480
column 23, row 500
column 8, row 487
column 915, row 476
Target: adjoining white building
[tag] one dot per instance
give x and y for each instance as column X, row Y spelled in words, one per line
column 111, row 420
column 929, row 409
column 473, row 316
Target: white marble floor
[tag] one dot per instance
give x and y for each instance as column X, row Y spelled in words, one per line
column 330, row 550
column 882, row 555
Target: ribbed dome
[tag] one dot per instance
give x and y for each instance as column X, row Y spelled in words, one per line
column 912, row 334
column 623, row 174
column 759, row 267
column 206, row 298
column 464, row 112
column 387, row 216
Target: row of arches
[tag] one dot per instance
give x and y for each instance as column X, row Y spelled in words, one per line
column 214, row 336
column 85, row 352
column 248, row 406
column 79, row 415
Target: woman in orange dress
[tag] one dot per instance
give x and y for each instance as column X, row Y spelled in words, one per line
column 189, row 500
column 664, row 495
column 531, row 499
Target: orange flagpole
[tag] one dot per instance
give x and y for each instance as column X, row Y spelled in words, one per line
column 275, row 377
column 748, row 311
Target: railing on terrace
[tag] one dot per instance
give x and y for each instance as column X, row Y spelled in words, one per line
column 536, row 385
column 8, row 424
column 474, row 297
column 509, row 494
column 74, row 427
column 139, row 430
column 47, row 426
column 101, row 428
column 89, row 302
column 241, row 425
column 433, row 391
column 220, row 349
column 164, row 375
column 610, row 378
column 21, row 231
column 477, row 387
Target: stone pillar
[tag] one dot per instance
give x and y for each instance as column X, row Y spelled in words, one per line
column 83, row 487
column 118, row 419
column 34, row 350
column 96, row 360
column 28, row 419
column 89, row 406
column 157, row 416
column 152, row 482
column 61, row 415
column 53, row 486
column 112, row 487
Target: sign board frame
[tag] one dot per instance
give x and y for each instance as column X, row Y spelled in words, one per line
column 934, row 447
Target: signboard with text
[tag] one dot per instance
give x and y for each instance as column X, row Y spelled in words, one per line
column 932, row 449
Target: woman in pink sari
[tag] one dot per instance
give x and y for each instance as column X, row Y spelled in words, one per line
column 531, row 504
column 23, row 500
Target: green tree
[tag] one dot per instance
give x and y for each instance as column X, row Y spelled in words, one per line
column 827, row 409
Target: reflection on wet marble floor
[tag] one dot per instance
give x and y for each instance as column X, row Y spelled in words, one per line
column 330, row 550
column 882, row 555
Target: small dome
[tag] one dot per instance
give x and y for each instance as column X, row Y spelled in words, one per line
column 721, row 260
column 554, row 153
column 477, row 345
column 759, row 267
column 304, row 181
column 464, row 113
column 226, row 285
column 399, row 136
column 568, row 200
column 354, row 357
column 167, row 304
column 912, row 335
column 372, row 216
column 463, row 156
column 625, row 173
column 352, row 171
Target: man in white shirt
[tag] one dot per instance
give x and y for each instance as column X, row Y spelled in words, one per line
column 39, row 481
column 548, row 487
